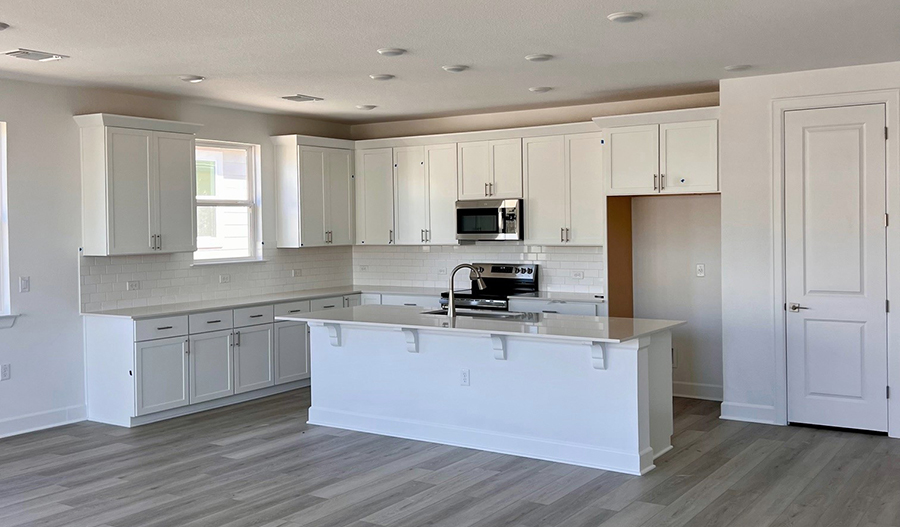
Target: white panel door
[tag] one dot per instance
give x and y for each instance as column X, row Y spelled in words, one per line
column 836, row 276
column 254, row 357
column 312, row 196
column 411, row 195
column 545, row 173
column 689, row 157
column 211, row 357
column 131, row 215
column 291, row 352
column 632, row 160
column 440, row 175
column 176, row 183
column 375, row 196
column 339, row 205
column 474, row 165
column 587, row 195
column 160, row 375
column 506, row 169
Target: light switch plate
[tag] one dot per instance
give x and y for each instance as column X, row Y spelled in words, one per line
column 701, row 270
column 24, row 284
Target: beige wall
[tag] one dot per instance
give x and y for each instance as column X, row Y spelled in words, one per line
column 522, row 118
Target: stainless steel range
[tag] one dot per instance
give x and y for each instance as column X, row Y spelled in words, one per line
column 500, row 282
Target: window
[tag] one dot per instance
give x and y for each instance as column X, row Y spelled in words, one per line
column 4, row 230
column 227, row 202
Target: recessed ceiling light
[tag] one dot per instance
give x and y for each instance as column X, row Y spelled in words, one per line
column 538, row 57
column 302, row 98
column 30, row 54
column 381, row 77
column 193, row 79
column 391, row 52
column 540, row 89
column 456, row 68
column 738, row 67
column 365, row 107
column 3, row 25
column 625, row 16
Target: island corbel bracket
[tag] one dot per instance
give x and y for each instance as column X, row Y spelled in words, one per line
column 598, row 355
column 412, row 339
column 499, row 344
column 334, row 334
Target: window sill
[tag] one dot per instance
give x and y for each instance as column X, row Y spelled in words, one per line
column 204, row 263
column 7, row 321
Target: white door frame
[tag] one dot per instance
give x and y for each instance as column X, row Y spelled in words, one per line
column 891, row 100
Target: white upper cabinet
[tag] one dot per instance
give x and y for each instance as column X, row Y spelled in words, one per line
column 564, row 197
column 374, row 196
column 667, row 158
column 138, row 185
column 689, row 157
column 410, row 195
column 315, row 192
column 490, row 169
column 440, row 175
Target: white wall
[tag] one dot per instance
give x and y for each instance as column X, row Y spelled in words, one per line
column 670, row 235
column 45, row 345
column 750, row 297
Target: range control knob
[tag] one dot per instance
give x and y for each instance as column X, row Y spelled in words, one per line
column 516, row 270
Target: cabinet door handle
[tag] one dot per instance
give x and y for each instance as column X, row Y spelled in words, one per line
column 567, row 235
column 159, row 242
column 662, row 182
column 152, row 242
column 427, row 235
column 186, row 347
column 390, row 236
column 654, row 182
column 562, row 234
column 490, row 189
column 485, row 190
column 237, row 338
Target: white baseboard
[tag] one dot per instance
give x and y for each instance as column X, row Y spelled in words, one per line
column 42, row 420
column 516, row 445
column 696, row 390
column 751, row 413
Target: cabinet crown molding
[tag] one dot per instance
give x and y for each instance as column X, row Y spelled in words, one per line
column 137, row 123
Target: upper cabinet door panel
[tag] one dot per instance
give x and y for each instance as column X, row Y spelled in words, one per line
column 506, row 169
column 375, row 195
column 474, row 169
column 177, row 190
column 411, row 195
column 545, row 165
column 340, row 198
column 440, row 174
column 312, row 196
column 587, row 199
column 131, row 222
column 632, row 163
column 689, row 157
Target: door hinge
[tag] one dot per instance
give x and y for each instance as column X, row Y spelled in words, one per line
column 887, row 392
column 885, row 133
column 887, row 219
column 887, row 306
column 784, row 306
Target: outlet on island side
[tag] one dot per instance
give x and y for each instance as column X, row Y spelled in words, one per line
column 464, row 379
column 132, row 285
column 224, row 278
column 4, row 372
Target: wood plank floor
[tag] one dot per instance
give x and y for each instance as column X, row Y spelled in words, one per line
column 258, row 463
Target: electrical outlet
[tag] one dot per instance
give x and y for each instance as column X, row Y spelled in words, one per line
column 701, row 270
column 363, row 268
column 464, row 378
column 442, row 271
column 24, row 284
column 4, row 372
column 132, row 285
column 674, row 359
column 297, row 273
column 578, row 275
column 224, row 278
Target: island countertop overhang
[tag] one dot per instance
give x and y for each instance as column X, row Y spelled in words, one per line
column 549, row 326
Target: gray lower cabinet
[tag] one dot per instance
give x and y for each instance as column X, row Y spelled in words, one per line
column 555, row 306
column 161, row 375
column 291, row 352
column 211, row 366
column 254, row 357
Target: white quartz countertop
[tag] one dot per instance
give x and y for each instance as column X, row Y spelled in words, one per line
column 557, row 327
column 187, row 308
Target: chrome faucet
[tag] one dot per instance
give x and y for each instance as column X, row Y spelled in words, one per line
column 479, row 283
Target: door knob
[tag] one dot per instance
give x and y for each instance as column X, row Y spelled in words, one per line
column 796, row 307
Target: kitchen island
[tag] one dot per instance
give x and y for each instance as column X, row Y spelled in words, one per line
column 589, row 391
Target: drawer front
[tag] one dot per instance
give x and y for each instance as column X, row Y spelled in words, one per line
column 291, row 308
column 160, row 328
column 212, row 321
column 411, row 300
column 321, row 304
column 251, row 316
column 547, row 306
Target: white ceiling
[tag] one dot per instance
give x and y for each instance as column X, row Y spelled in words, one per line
column 255, row 51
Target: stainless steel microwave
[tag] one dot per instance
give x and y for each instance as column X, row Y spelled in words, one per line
column 489, row 219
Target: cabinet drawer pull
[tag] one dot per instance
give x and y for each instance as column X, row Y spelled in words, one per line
column 163, row 328
column 328, row 307
column 295, row 311
column 549, row 311
column 412, row 305
column 255, row 316
column 213, row 321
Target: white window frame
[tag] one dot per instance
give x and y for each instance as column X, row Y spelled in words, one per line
column 253, row 201
column 6, row 316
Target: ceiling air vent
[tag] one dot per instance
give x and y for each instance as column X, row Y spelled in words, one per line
column 302, row 98
column 30, row 54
